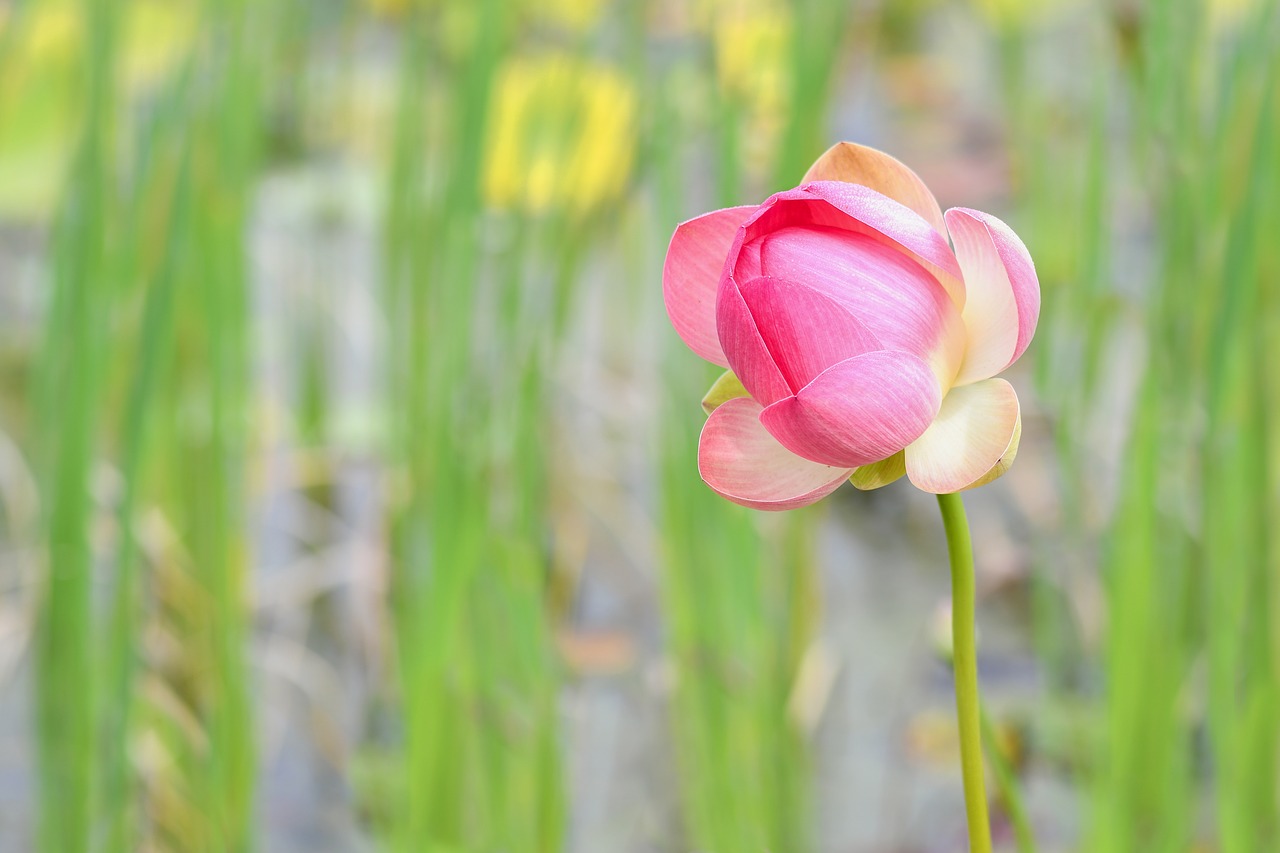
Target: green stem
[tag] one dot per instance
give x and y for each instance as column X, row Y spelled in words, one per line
column 966, row 669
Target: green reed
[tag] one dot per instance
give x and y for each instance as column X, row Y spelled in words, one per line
column 163, row 187
column 1187, row 552
column 147, row 370
column 467, row 388
column 69, row 387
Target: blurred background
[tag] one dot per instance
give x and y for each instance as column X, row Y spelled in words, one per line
column 348, row 496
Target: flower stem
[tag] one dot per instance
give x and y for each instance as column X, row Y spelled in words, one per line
column 960, row 551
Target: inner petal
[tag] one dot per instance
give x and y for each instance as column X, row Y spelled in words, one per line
column 805, row 331
column 745, row 348
column 898, row 301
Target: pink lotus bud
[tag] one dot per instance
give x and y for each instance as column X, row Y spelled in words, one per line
column 865, row 344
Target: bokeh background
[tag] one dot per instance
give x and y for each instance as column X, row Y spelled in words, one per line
column 348, row 496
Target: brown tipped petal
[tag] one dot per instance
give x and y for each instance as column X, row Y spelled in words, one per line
column 859, row 164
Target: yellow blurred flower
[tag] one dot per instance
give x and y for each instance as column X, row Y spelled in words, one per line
column 48, row 34
column 560, row 135
column 158, row 33
column 42, row 85
column 575, row 15
column 753, row 56
column 752, row 42
column 1014, row 13
column 155, row 34
column 1227, row 14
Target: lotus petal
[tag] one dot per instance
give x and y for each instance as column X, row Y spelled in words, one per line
column 896, row 299
column 1003, row 293
column 858, row 411
column 1006, row 461
column 860, row 164
column 740, row 460
column 691, row 276
column 745, row 349
column 975, row 433
column 805, row 331
column 857, row 209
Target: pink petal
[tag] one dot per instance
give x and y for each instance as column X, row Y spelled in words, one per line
column 859, row 411
column 898, row 302
column 805, row 331
column 742, row 462
column 859, row 164
column 745, row 349
column 691, row 276
column 862, row 210
column 1003, row 303
column 972, row 434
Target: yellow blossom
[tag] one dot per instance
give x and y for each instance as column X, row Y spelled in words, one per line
column 752, row 52
column 560, row 135
column 1014, row 13
column 574, row 15
column 42, row 85
column 158, row 33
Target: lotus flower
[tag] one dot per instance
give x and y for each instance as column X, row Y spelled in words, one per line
column 861, row 344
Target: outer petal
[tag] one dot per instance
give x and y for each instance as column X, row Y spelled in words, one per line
column 805, row 331
column 1006, row 461
column 858, row 411
column 974, row 433
column 862, row 210
column 1003, row 302
column 859, row 164
column 742, row 462
column 691, row 276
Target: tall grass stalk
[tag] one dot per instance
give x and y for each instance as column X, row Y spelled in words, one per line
column 1238, row 500
column 175, row 209
column 163, row 194
column 1188, row 542
column 70, row 388
column 210, row 379
column 478, row 680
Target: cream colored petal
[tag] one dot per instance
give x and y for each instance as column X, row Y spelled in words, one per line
column 975, row 433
